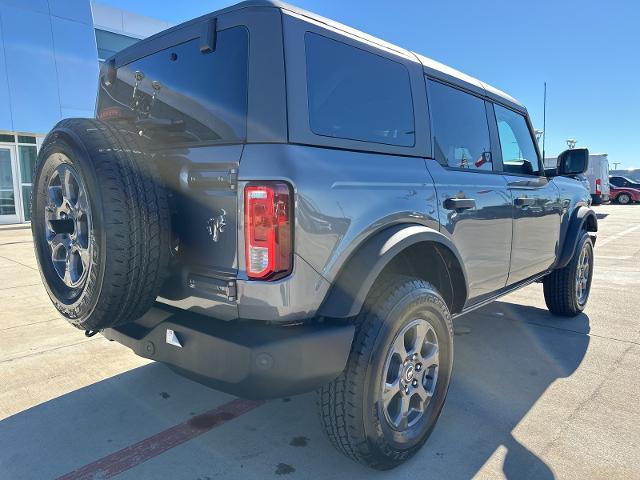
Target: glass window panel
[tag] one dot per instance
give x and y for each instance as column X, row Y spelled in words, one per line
column 28, row 156
column 460, row 129
column 26, row 202
column 110, row 43
column 5, row 137
column 7, row 202
column 7, row 195
column 519, row 153
column 6, row 174
column 197, row 97
column 26, row 139
column 357, row 95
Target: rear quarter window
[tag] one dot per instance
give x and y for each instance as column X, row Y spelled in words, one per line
column 183, row 95
column 357, row 95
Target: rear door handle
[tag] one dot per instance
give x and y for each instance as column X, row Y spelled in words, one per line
column 459, row 203
column 524, row 201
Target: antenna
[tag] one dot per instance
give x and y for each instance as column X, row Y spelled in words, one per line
column 544, row 119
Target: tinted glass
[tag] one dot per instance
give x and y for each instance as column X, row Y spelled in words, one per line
column 27, row 156
column 516, row 143
column 460, row 130
column 622, row 182
column 26, row 139
column 110, row 43
column 6, row 173
column 182, row 95
column 5, row 137
column 357, row 95
column 26, row 202
column 7, row 198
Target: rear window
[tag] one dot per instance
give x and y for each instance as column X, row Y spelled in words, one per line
column 180, row 95
column 357, row 95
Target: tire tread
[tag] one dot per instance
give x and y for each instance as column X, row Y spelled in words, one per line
column 135, row 217
column 339, row 403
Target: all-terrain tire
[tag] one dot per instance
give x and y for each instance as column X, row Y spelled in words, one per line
column 560, row 291
column 127, row 242
column 350, row 407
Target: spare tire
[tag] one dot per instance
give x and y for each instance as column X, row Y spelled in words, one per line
column 100, row 223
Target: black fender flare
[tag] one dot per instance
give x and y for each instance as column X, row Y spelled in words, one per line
column 583, row 219
column 360, row 271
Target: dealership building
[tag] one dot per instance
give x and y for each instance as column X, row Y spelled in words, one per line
column 50, row 54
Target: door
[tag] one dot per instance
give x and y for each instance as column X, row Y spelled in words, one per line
column 535, row 200
column 9, row 197
column 474, row 205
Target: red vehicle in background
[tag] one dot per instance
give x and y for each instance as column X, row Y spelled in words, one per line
column 624, row 195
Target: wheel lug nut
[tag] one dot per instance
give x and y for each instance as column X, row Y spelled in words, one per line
column 406, row 390
column 414, row 383
column 418, row 367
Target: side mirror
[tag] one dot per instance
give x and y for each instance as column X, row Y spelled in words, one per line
column 573, row 162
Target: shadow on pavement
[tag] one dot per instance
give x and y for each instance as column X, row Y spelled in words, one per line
column 506, row 357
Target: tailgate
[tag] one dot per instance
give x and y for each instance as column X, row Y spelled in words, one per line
column 205, row 200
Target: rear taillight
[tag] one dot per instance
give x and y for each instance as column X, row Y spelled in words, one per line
column 598, row 185
column 267, row 230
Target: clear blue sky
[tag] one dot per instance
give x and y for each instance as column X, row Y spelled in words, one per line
column 587, row 51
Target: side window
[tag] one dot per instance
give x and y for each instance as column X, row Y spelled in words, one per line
column 460, row 130
column 357, row 95
column 184, row 95
column 519, row 153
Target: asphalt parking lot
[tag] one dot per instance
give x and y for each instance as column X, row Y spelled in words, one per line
column 533, row 395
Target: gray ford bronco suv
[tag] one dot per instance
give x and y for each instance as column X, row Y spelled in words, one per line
column 271, row 203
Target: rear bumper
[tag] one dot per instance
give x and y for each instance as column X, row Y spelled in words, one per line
column 246, row 359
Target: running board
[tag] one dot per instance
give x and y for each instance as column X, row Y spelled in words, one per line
column 509, row 290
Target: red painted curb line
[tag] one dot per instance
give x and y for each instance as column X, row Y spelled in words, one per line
column 133, row 455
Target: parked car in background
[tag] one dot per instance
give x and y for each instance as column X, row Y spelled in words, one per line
column 620, row 181
column 624, row 195
column 630, row 173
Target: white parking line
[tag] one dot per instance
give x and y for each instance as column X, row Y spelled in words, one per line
column 618, row 235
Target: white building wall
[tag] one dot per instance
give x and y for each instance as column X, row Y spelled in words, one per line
column 48, row 71
column 126, row 23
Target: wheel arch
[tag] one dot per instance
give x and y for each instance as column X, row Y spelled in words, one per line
column 583, row 220
column 413, row 250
